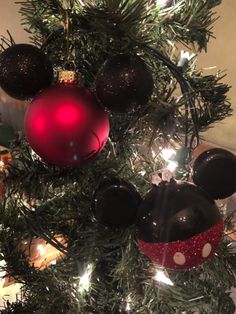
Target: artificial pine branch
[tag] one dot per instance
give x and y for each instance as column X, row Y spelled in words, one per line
column 43, row 200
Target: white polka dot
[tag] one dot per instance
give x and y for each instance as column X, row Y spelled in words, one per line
column 179, row 258
column 206, row 250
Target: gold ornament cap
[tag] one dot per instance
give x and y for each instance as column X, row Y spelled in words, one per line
column 67, row 77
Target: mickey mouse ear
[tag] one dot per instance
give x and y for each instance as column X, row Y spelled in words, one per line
column 215, row 172
column 115, row 202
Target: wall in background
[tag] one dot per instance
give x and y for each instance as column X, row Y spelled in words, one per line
column 10, row 20
column 221, row 53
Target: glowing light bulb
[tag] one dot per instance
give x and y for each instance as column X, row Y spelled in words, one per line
column 128, row 307
column 2, row 165
column 167, row 153
column 41, row 249
column 172, row 165
column 161, row 2
column 186, row 55
column 184, row 58
column 84, row 282
column 165, row 4
column 142, row 173
column 128, row 304
column 160, row 276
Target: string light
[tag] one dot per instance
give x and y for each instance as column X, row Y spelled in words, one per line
column 2, row 165
column 160, row 276
column 184, row 58
column 165, row 3
column 172, row 165
column 186, row 55
column 168, row 154
column 161, row 2
column 41, row 249
column 142, row 172
column 84, row 282
column 128, row 304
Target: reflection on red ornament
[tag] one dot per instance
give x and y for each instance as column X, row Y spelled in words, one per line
column 66, row 126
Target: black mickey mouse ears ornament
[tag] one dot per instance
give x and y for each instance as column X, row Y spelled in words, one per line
column 178, row 225
column 215, row 172
column 115, row 202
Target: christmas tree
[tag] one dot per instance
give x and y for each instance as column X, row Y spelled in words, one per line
column 98, row 212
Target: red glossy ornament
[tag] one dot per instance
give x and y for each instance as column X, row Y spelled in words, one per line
column 66, row 126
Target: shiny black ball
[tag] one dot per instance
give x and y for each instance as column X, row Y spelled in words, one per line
column 124, row 82
column 116, row 202
column 215, row 172
column 24, row 71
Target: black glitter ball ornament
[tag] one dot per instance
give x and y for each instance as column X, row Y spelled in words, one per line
column 215, row 171
column 124, row 82
column 24, row 71
column 116, row 202
column 179, row 225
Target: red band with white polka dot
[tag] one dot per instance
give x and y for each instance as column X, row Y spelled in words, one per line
column 187, row 253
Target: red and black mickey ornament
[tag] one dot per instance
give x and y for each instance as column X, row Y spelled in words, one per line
column 215, row 171
column 124, row 82
column 179, row 225
column 24, row 71
column 116, row 202
column 66, row 126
